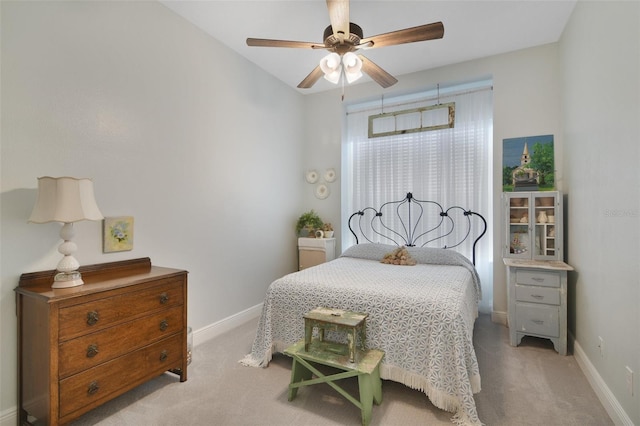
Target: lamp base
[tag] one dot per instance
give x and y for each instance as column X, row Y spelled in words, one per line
column 67, row 279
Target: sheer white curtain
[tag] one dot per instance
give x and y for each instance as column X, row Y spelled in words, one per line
column 450, row 166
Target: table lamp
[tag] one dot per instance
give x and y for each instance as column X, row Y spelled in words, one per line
column 66, row 200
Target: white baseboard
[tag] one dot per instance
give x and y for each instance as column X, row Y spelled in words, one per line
column 499, row 318
column 604, row 394
column 217, row 328
column 9, row 417
column 606, row 397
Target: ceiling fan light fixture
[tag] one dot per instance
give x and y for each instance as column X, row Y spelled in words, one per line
column 352, row 66
column 330, row 66
column 333, row 76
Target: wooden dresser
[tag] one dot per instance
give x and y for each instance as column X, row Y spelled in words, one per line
column 83, row 346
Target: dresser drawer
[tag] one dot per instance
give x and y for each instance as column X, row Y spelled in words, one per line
column 96, row 385
column 546, row 295
column 92, row 349
column 538, row 319
column 102, row 313
column 541, row 278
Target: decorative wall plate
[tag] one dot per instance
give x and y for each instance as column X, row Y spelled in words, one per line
column 330, row 175
column 322, row 191
column 311, row 176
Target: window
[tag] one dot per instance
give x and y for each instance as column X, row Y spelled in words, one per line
column 451, row 166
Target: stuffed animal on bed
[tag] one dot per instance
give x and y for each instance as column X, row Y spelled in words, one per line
column 399, row 256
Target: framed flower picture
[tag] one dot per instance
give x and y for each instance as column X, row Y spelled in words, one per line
column 117, row 234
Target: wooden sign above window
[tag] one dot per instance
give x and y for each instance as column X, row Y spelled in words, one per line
column 424, row 119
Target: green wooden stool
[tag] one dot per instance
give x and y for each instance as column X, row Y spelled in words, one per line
column 367, row 369
column 331, row 319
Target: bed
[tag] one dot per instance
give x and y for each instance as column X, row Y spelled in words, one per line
column 421, row 315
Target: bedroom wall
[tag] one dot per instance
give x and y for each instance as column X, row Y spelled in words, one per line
column 175, row 129
column 585, row 90
column 601, row 115
column 526, row 88
column 134, row 97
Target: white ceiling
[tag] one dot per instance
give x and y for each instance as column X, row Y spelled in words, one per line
column 473, row 29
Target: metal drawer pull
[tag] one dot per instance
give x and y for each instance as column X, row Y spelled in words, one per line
column 539, row 322
column 93, row 388
column 164, row 298
column 537, row 296
column 538, row 279
column 164, row 355
column 92, row 350
column 164, row 325
column 92, row 317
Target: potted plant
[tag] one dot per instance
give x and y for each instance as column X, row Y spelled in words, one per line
column 328, row 230
column 307, row 223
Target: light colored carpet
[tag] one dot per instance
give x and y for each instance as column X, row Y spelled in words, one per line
column 528, row 385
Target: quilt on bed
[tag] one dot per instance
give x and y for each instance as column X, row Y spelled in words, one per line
column 421, row 316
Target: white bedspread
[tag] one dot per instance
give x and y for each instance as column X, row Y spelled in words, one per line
column 421, row 316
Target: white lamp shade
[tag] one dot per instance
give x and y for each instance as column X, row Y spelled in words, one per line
column 330, row 66
column 66, row 200
column 352, row 66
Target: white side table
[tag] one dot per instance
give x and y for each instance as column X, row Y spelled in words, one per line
column 314, row 251
column 537, row 293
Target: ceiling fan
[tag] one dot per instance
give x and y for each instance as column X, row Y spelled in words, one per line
column 342, row 38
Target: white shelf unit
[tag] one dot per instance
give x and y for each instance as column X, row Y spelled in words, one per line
column 533, row 225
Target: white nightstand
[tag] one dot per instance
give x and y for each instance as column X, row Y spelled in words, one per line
column 314, row 251
column 537, row 293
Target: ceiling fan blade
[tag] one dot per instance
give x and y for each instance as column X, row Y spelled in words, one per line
column 409, row 35
column 265, row 42
column 311, row 79
column 339, row 17
column 378, row 75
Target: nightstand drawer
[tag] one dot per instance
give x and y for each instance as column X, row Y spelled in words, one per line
column 546, row 295
column 314, row 251
column 541, row 278
column 538, row 319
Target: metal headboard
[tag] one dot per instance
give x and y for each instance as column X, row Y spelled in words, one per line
column 417, row 228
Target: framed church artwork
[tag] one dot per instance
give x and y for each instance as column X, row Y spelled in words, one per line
column 528, row 164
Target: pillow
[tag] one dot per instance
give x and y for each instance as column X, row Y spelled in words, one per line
column 399, row 256
column 369, row 251
column 438, row 256
column 377, row 251
column 425, row 255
